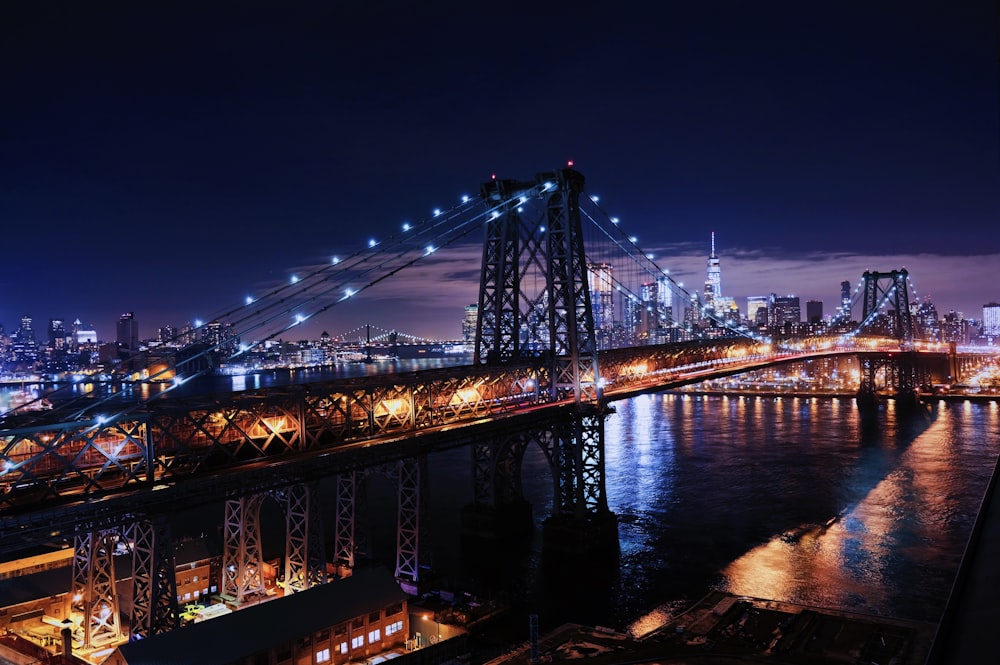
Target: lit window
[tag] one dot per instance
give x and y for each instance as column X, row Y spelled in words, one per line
column 357, row 642
column 323, row 656
column 374, row 636
column 194, row 579
column 393, row 628
column 187, row 596
column 343, row 647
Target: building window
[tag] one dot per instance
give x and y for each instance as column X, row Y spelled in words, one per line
column 394, row 609
column 357, row 642
column 374, row 636
column 323, row 656
column 393, row 628
column 343, row 648
column 374, row 617
column 340, row 629
column 194, row 579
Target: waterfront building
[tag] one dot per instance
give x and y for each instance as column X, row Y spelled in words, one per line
column 991, row 320
column 469, row 322
column 127, row 335
column 814, row 311
column 925, row 317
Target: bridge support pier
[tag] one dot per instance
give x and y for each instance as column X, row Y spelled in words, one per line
column 94, row 595
column 583, row 525
column 410, row 476
column 154, row 580
column 305, row 557
column 242, row 560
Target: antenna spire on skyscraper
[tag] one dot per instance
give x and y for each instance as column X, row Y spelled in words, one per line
column 713, row 244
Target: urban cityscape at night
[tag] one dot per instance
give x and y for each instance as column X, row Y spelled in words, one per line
column 501, row 335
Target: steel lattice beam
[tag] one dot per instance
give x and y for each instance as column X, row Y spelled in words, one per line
column 344, row 525
column 305, row 559
column 154, row 580
column 94, row 596
column 242, row 560
column 411, row 478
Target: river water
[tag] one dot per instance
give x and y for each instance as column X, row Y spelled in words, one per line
column 790, row 499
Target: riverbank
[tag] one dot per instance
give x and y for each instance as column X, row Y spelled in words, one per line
column 723, row 628
column 805, row 394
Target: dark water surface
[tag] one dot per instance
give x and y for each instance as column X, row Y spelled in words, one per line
column 789, row 499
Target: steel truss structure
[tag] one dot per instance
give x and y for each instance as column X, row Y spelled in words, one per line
column 94, row 597
column 305, row 557
column 154, row 581
column 888, row 288
column 554, row 322
column 242, row 558
column 410, row 478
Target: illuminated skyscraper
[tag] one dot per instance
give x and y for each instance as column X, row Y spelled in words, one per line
column 714, row 280
column 469, row 323
column 845, row 300
column 991, row 319
column 602, row 292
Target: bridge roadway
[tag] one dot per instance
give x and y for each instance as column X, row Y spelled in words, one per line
column 181, row 453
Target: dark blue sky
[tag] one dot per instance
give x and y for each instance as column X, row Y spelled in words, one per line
column 165, row 158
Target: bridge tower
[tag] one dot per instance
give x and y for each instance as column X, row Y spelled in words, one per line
column 535, row 308
column 901, row 370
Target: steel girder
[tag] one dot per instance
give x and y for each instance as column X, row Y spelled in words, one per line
column 305, row 558
column 242, row 559
column 154, row 580
column 94, row 596
column 48, row 461
column 344, row 524
column 411, row 479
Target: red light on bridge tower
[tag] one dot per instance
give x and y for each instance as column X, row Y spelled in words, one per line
column 569, row 163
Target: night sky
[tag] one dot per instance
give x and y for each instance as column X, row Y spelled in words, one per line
column 168, row 158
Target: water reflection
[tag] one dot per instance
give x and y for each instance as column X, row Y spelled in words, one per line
column 893, row 550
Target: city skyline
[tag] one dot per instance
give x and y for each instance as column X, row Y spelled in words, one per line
column 443, row 315
column 167, row 161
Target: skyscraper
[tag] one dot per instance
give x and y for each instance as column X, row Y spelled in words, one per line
column 57, row 334
column 814, row 311
column 713, row 282
column 469, row 322
column 845, row 300
column 127, row 334
column 991, row 319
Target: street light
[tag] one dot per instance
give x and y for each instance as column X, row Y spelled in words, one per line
column 437, row 627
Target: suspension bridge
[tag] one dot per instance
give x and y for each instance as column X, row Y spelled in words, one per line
column 572, row 315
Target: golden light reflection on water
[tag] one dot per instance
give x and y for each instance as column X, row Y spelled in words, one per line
column 843, row 563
